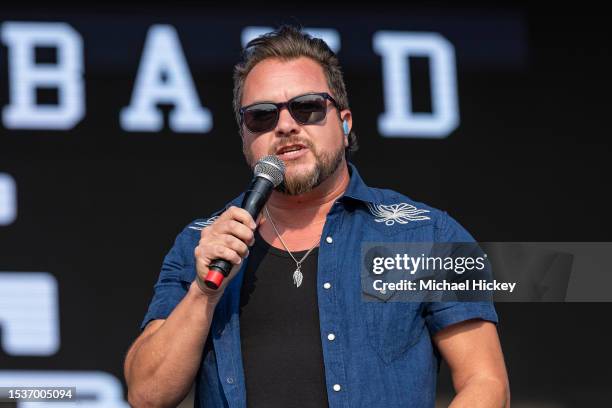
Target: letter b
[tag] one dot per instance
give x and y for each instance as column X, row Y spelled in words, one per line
column 26, row 76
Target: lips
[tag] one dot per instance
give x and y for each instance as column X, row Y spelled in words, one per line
column 290, row 148
column 292, row 152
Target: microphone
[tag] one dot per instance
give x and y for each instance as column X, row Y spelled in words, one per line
column 269, row 172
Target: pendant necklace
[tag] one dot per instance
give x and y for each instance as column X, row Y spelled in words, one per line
column 298, row 277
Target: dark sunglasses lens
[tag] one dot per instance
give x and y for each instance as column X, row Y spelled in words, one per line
column 308, row 109
column 261, row 117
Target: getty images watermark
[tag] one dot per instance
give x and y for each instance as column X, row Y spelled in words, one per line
column 493, row 271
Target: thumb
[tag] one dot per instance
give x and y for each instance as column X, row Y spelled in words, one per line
column 260, row 219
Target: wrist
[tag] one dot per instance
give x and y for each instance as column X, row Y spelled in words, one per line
column 203, row 292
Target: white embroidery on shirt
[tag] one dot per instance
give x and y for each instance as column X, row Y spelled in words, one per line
column 403, row 213
column 203, row 224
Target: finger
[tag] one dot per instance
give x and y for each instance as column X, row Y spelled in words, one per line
column 240, row 231
column 236, row 245
column 241, row 215
column 218, row 250
column 223, row 252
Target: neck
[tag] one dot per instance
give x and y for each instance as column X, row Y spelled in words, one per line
column 300, row 219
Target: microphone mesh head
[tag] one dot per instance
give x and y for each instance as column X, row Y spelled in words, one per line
column 272, row 168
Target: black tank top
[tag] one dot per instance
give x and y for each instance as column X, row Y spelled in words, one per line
column 279, row 330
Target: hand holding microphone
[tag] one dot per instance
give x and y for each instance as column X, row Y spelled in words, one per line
column 224, row 243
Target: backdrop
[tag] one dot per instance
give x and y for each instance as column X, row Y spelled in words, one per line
column 117, row 130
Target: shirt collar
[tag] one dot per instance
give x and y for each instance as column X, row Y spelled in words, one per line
column 356, row 188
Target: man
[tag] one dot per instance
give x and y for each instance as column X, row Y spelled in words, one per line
column 288, row 326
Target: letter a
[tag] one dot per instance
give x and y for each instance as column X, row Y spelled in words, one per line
column 163, row 77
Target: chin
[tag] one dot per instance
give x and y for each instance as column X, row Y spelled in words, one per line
column 297, row 169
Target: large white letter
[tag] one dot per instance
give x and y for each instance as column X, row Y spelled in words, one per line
column 399, row 120
column 29, row 313
column 163, row 77
column 8, row 199
column 25, row 76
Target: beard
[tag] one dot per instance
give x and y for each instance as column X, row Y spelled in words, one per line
column 326, row 163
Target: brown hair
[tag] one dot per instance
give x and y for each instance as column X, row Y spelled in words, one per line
column 287, row 43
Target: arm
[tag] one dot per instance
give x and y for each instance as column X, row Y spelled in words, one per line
column 162, row 363
column 473, row 353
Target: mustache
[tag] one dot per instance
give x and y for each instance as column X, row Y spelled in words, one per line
column 293, row 140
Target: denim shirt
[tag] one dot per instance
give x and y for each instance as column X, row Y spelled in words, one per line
column 376, row 354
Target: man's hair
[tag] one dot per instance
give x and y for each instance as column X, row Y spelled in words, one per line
column 288, row 43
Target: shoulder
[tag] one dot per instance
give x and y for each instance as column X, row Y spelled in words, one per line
column 189, row 237
column 395, row 209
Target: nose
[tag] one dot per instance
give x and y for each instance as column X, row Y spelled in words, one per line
column 286, row 125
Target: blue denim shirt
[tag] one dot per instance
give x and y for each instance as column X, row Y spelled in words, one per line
column 381, row 354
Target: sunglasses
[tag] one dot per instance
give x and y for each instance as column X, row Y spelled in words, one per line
column 306, row 109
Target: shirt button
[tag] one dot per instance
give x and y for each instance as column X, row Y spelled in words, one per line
column 230, row 380
column 331, row 337
column 329, row 240
column 337, row 387
column 327, row 285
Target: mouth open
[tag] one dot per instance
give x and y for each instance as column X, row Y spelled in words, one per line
column 291, row 152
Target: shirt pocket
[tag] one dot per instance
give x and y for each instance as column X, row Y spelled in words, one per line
column 393, row 327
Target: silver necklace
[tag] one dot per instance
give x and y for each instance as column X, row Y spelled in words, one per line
column 298, row 277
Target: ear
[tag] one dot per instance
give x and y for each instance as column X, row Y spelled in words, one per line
column 346, row 115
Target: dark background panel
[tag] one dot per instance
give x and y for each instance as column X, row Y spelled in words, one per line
column 99, row 207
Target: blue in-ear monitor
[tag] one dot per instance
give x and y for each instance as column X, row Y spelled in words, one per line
column 345, row 127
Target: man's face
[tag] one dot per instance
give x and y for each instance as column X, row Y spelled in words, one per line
column 318, row 149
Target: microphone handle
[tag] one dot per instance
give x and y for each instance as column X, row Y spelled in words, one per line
column 255, row 198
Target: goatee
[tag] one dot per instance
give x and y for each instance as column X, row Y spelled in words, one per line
column 325, row 165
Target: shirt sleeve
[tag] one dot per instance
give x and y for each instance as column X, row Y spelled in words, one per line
column 177, row 273
column 439, row 315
